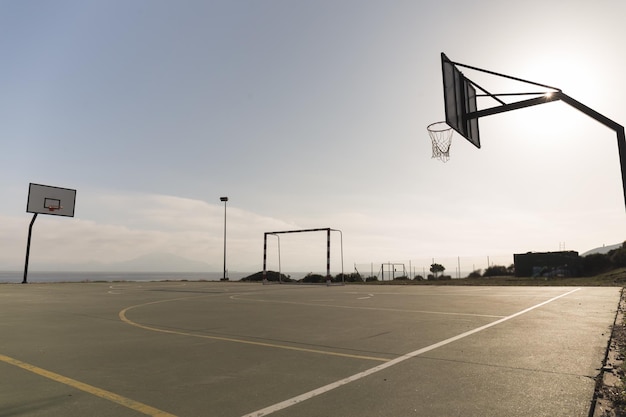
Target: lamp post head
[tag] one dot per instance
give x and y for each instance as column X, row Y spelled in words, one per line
column 223, row 198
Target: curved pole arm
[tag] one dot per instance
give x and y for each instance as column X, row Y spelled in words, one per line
column 559, row 95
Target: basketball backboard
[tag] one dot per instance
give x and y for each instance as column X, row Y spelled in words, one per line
column 44, row 199
column 459, row 99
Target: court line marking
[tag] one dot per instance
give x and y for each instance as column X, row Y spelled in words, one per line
column 321, row 390
column 399, row 310
column 479, row 292
column 90, row 389
column 125, row 319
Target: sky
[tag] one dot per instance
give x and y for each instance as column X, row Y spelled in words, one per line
column 306, row 114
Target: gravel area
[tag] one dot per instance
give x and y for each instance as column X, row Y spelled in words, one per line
column 610, row 394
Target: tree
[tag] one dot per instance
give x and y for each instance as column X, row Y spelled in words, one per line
column 437, row 268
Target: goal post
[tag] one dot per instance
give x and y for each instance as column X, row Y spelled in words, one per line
column 325, row 229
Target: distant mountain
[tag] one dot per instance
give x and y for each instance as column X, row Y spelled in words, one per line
column 160, row 262
column 602, row 249
column 152, row 262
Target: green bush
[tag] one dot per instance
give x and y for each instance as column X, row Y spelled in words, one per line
column 271, row 276
column 596, row 263
column 618, row 257
column 354, row 277
column 496, row 271
column 475, row 274
column 314, row 278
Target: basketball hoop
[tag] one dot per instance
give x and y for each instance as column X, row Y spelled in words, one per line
column 441, row 136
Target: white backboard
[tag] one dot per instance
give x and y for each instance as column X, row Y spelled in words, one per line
column 45, row 199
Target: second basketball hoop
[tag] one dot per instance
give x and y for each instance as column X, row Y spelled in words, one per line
column 441, row 137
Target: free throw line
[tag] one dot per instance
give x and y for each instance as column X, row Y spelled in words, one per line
column 98, row 392
column 314, row 393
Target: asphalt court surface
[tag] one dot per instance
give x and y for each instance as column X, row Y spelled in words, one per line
column 233, row 349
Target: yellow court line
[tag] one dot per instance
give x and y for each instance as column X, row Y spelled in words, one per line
column 98, row 392
column 122, row 316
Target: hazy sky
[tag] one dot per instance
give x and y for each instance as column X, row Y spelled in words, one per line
column 305, row 114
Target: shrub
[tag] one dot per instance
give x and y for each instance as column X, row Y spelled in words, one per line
column 353, row 277
column 270, row 276
column 618, row 257
column 496, row 271
column 475, row 274
column 314, row 278
column 596, row 263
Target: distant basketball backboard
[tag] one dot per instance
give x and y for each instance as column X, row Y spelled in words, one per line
column 459, row 99
column 44, row 199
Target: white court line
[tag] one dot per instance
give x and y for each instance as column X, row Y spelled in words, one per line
column 308, row 395
column 472, row 293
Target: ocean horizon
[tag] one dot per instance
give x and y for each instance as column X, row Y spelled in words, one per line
column 12, row 277
column 8, row 277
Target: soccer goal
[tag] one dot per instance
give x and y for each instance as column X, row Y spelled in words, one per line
column 392, row 271
column 277, row 234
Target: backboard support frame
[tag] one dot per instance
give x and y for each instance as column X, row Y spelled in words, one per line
column 470, row 112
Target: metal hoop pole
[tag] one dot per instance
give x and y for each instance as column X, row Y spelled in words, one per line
column 30, row 233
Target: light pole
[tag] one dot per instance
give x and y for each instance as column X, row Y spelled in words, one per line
column 224, row 199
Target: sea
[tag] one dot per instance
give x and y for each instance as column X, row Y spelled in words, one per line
column 8, row 277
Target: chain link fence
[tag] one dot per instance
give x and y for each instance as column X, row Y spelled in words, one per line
column 454, row 267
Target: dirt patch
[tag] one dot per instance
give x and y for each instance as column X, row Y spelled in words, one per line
column 610, row 393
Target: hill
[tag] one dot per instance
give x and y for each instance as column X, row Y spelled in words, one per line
column 602, row 249
column 152, row 262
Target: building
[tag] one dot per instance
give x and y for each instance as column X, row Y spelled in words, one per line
column 548, row 264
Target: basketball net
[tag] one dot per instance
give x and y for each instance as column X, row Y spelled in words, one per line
column 441, row 137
